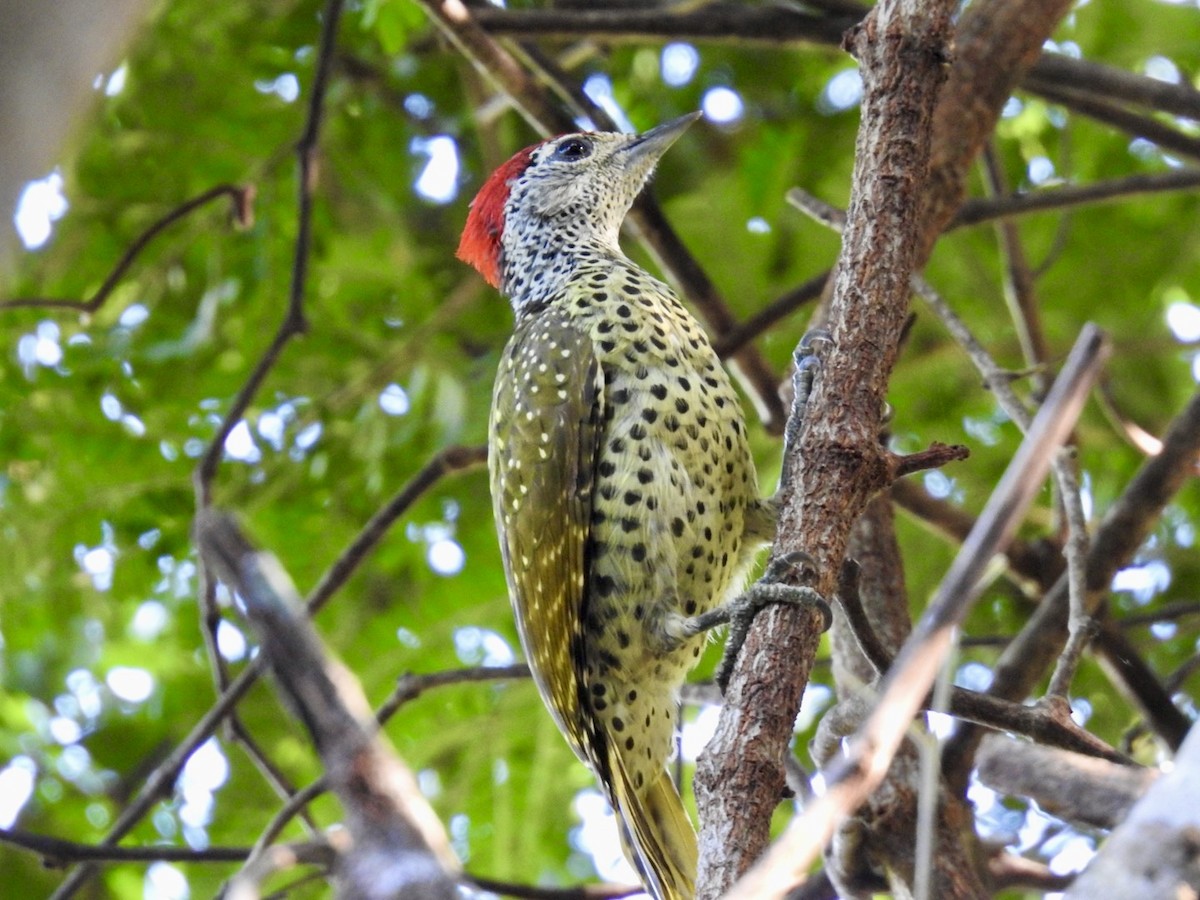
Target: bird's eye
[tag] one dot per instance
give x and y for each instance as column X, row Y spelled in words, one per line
column 573, row 149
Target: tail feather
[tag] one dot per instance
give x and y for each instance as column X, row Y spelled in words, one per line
column 656, row 833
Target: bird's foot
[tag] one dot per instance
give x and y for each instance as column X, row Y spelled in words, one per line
column 768, row 590
column 807, row 364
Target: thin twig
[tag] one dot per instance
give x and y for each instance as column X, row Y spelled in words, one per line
column 411, row 686
column 271, row 773
column 243, row 215
column 297, row 804
column 1018, row 280
column 293, row 324
column 534, row 892
column 445, row 462
column 1079, row 623
column 976, row 211
column 1053, row 69
column 997, row 380
column 408, row 688
column 726, row 22
column 731, row 341
column 56, row 852
column 1103, row 110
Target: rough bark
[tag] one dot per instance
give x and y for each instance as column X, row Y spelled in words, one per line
column 840, row 463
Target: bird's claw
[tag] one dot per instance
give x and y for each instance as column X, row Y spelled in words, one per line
column 807, row 364
column 766, row 592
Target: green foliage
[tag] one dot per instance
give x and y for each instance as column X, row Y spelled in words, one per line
column 97, row 448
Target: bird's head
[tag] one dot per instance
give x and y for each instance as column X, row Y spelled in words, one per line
column 573, row 189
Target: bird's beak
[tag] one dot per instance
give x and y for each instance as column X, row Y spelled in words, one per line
column 651, row 145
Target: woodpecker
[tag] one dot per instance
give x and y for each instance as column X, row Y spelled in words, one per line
column 624, row 492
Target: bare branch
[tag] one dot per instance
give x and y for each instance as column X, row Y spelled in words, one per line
column 159, row 782
column 1048, row 199
column 727, row 22
column 1155, row 852
column 1064, row 72
column 1069, row 785
column 739, row 335
column 243, row 216
column 837, row 465
column 909, row 679
column 56, row 852
column 1100, row 108
column 399, row 846
column 1018, row 281
column 530, row 892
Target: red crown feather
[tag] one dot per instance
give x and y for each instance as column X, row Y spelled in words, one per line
column 480, row 243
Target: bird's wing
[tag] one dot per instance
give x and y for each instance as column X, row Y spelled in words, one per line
column 547, row 413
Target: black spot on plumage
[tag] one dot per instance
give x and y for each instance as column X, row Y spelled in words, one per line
column 677, row 527
column 629, row 746
column 623, row 639
column 637, row 431
column 633, row 498
column 607, row 468
column 624, row 311
column 618, row 723
column 645, row 476
column 638, row 552
column 650, row 415
column 630, row 525
column 608, row 346
column 604, row 585
column 659, row 391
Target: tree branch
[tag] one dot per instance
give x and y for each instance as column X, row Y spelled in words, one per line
column 56, row 852
column 159, row 782
column 1124, row 527
column 910, row 677
column 242, row 197
column 399, row 846
column 838, row 463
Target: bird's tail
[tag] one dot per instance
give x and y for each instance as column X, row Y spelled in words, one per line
column 656, row 833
